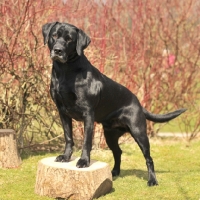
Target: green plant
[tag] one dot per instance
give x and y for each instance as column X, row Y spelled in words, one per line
column 176, row 164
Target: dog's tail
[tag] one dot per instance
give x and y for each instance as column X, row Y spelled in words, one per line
column 161, row 118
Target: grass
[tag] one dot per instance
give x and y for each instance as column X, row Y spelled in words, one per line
column 172, row 126
column 177, row 167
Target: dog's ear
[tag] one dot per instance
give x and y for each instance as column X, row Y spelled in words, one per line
column 83, row 40
column 46, row 30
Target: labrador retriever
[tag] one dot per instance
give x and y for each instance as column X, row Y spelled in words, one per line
column 81, row 92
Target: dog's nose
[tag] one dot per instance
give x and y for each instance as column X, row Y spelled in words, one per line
column 57, row 51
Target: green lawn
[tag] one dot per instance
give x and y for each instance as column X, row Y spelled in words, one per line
column 177, row 167
column 171, row 126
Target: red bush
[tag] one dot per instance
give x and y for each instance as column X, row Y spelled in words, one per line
column 151, row 47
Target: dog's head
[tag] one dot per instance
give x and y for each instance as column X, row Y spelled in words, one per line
column 65, row 41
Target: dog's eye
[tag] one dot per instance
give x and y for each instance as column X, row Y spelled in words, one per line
column 55, row 36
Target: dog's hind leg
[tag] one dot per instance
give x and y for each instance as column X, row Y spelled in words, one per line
column 138, row 131
column 144, row 145
column 112, row 137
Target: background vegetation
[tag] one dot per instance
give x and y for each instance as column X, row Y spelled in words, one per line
column 150, row 46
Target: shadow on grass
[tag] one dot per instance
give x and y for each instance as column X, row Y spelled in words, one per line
column 141, row 174
column 112, row 190
column 27, row 154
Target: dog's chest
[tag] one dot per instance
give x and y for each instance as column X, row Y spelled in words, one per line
column 64, row 95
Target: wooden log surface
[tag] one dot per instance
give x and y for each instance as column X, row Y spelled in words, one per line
column 65, row 180
column 9, row 156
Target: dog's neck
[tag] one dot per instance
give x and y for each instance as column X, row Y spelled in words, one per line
column 73, row 57
column 74, row 64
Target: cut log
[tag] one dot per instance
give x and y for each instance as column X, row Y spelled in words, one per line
column 65, row 180
column 9, row 156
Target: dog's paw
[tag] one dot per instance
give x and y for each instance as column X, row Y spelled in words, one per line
column 152, row 183
column 82, row 163
column 115, row 172
column 62, row 158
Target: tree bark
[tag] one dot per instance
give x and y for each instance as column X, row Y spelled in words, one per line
column 65, row 180
column 9, row 157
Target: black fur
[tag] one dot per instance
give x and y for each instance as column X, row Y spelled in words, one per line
column 81, row 92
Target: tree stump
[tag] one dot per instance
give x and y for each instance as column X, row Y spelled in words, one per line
column 65, row 180
column 9, row 157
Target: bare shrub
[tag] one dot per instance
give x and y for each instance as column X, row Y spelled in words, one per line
column 151, row 47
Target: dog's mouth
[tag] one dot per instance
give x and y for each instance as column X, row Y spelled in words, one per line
column 59, row 58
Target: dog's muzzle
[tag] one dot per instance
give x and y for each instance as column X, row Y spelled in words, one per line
column 58, row 54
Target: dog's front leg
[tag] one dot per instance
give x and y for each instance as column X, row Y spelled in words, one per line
column 67, row 126
column 84, row 161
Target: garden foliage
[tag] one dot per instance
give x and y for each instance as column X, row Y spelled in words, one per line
column 150, row 46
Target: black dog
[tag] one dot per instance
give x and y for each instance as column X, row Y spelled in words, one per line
column 81, row 92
